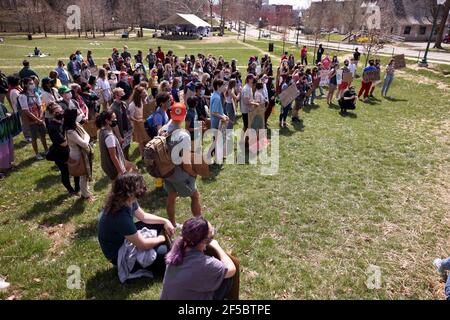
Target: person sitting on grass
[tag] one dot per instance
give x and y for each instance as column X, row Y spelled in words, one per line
column 192, row 275
column 443, row 267
column 116, row 223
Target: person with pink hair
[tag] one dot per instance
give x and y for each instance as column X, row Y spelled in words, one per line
column 190, row 273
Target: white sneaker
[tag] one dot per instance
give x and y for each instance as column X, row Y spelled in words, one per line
column 179, row 227
column 438, row 264
column 39, row 157
column 4, row 285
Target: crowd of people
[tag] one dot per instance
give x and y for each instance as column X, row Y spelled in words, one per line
column 136, row 99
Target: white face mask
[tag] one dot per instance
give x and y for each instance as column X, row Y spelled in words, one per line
column 32, row 87
column 202, row 93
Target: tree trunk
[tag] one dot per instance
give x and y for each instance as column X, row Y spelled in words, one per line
column 442, row 26
column 211, row 12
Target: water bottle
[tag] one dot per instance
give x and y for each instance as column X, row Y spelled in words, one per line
column 159, row 183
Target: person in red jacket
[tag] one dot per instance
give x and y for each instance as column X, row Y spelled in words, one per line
column 160, row 55
column 304, row 55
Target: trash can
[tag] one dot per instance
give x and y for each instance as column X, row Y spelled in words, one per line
column 271, row 47
column 30, row 37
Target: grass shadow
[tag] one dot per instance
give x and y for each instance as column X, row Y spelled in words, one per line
column 22, row 144
column 48, row 181
column 214, row 172
column 372, row 102
column 334, row 106
column 101, row 184
column 76, row 209
column 286, row 132
column 154, row 200
column 105, row 285
column 299, row 126
column 24, row 164
column 310, row 107
column 350, row 115
column 87, row 231
column 44, row 207
column 395, row 99
column 136, row 155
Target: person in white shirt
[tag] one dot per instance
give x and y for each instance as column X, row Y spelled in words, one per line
column 352, row 67
column 49, row 94
column 247, row 99
column 104, row 89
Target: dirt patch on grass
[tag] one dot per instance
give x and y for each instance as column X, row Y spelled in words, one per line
column 215, row 40
column 423, row 80
column 431, row 68
column 61, row 236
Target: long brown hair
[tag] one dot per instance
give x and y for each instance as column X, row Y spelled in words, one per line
column 136, row 97
column 130, row 185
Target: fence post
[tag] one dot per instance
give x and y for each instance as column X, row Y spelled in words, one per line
column 418, row 59
column 393, row 52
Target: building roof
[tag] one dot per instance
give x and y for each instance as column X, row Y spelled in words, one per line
column 185, row 19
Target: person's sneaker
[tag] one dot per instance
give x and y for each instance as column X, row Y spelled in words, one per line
column 438, row 264
column 4, row 285
column 39, row 157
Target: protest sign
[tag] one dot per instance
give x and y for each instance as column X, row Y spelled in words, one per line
column 289, row 95
column 400, row 61
column 324, row 78
column 339, row 74
column 372, row 76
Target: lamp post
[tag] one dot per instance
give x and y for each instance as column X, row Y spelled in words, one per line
column 298, row 28
column 260, row 27
column 424, row 62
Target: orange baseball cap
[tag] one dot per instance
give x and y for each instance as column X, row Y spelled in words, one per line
column 178, row 112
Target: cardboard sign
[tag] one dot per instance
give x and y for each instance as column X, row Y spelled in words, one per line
column 256, row 118
column 372, row 76
column 400, row 61
column 289, row 95
column 347, row 77
column 324, row 78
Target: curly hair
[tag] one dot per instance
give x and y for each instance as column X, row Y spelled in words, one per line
column 130, row 185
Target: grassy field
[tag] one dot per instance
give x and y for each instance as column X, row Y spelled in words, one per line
column 369, row 189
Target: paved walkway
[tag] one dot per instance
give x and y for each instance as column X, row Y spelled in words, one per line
column 409, row 49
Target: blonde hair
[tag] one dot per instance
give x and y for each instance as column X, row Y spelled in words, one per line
column 118, row 92
column 164, row 86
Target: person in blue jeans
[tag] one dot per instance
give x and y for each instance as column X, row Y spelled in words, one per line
column 443, row 267
column 390, row 72
column 285, row 111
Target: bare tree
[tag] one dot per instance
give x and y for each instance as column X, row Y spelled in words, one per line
column 373, row 45
column 442, row 25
